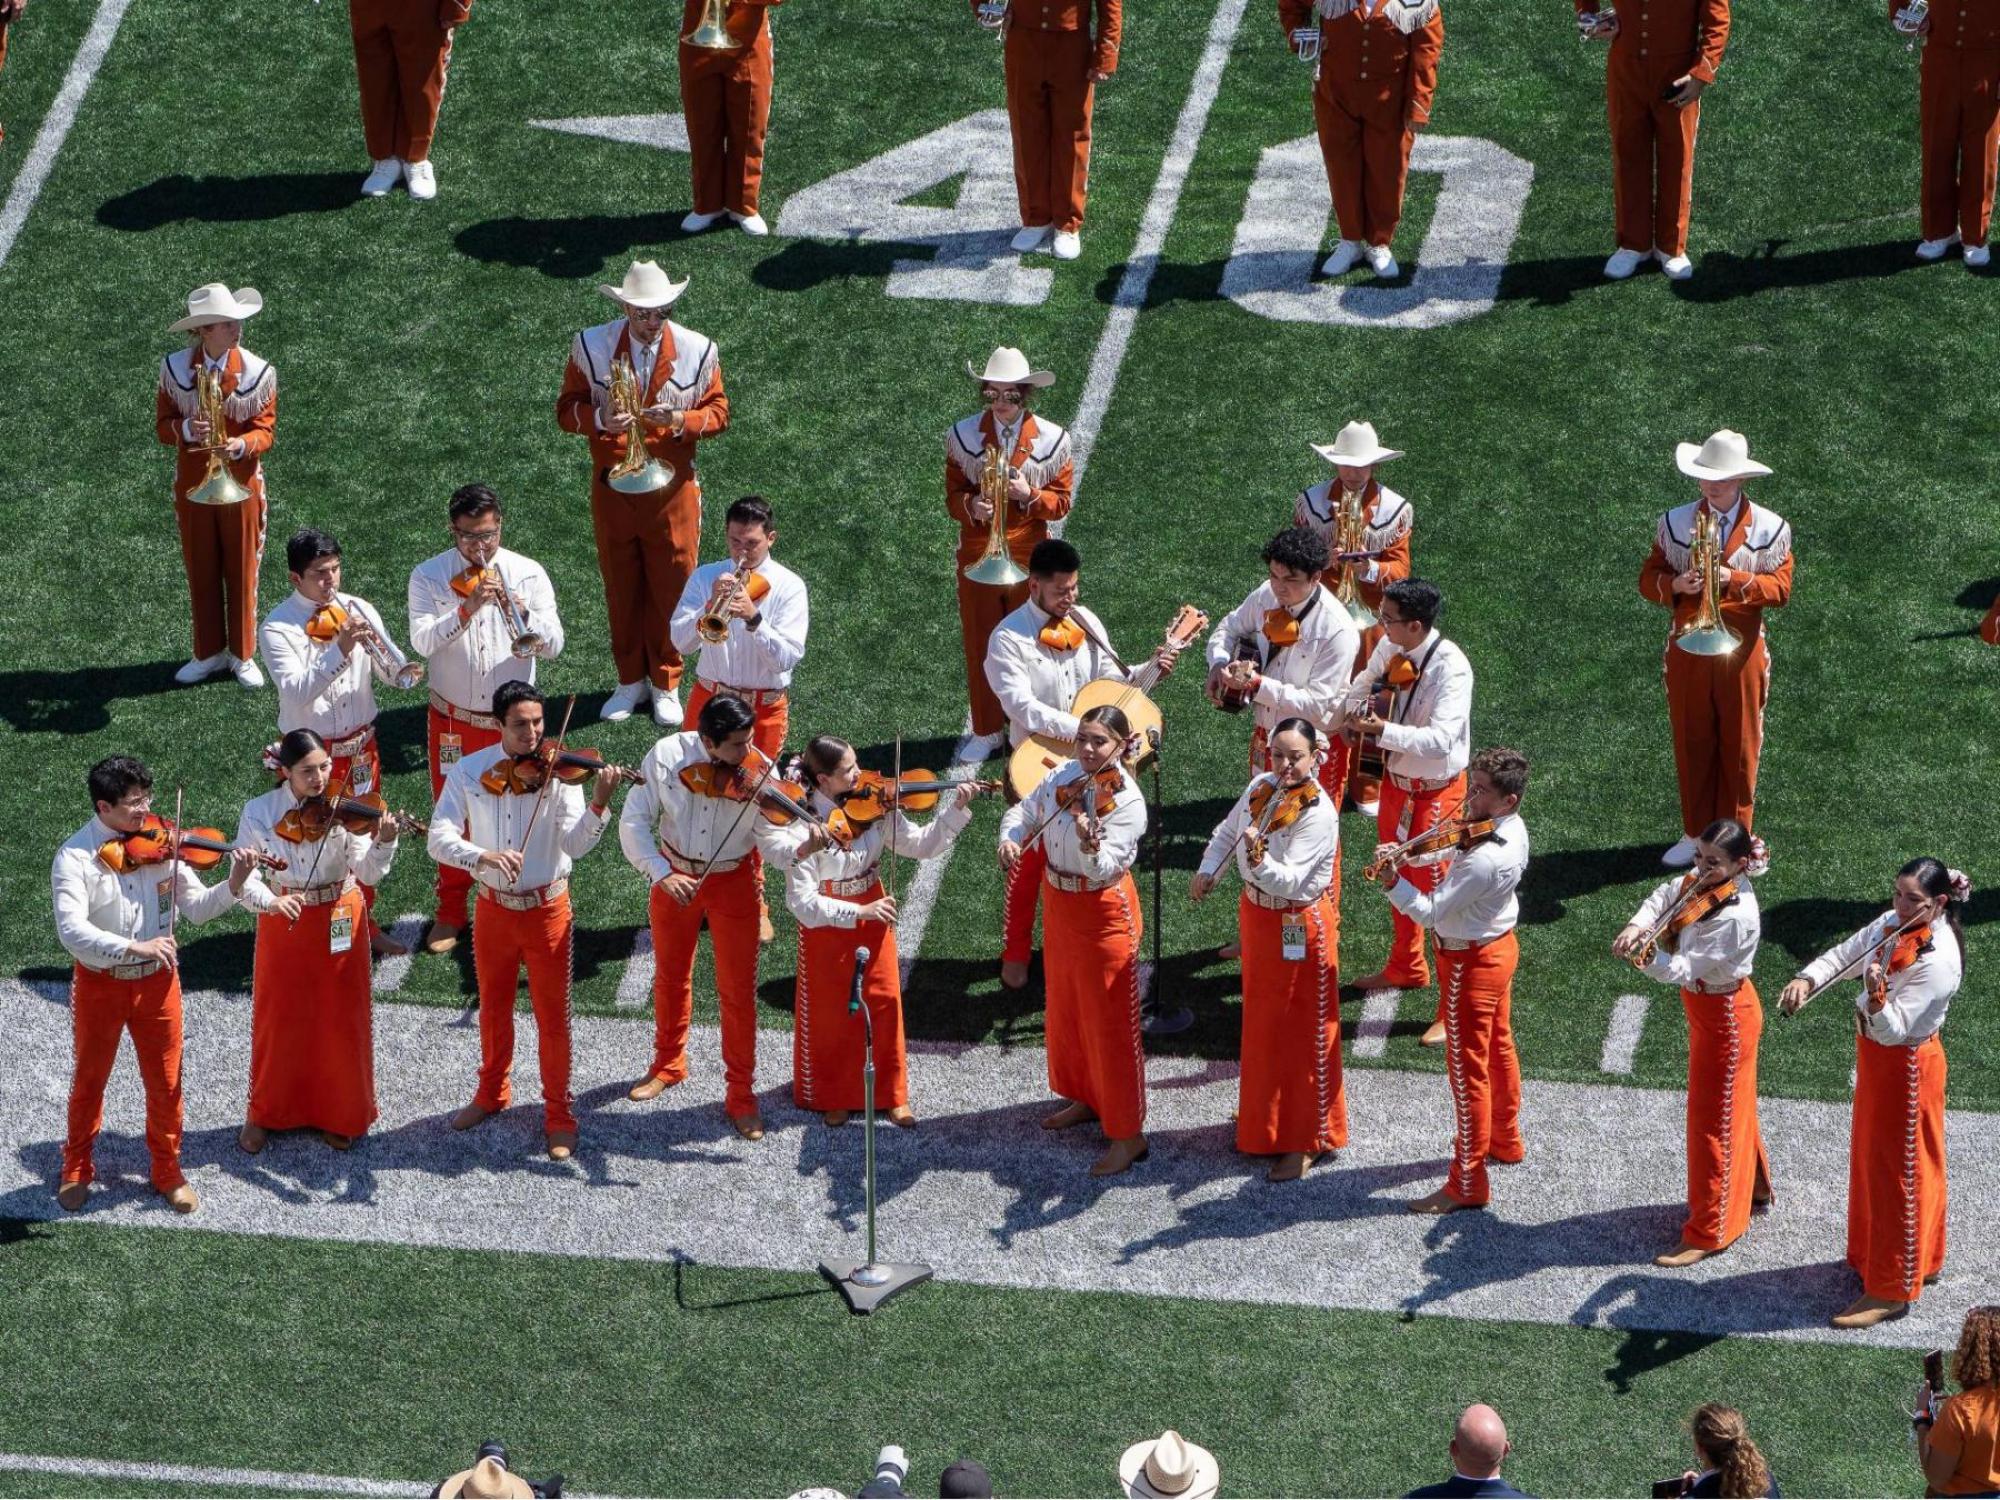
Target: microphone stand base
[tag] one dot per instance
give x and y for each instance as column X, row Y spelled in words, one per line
column 1166, row 1022
column 863, row 1297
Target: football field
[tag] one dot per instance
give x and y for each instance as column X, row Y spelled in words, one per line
column 645, row 1317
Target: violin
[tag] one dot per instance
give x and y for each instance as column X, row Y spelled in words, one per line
column 781, row 802
column 157, row 840
column 1458, row 832
column 315, row 817
column 525, row 775
column 1693, row 902
column 1904, row 945
column 1273, row 807
column 874, row 795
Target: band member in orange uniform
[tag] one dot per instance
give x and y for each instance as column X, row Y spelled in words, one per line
column 222, row 542
column 689, row 827
column 1054, row 65
column 1040, row 480
column 516, row 829
column 1716, row 703
column 726, row 98
column 1707, row 948
column 402, row 53
column 1283, row 835
column 833, row 885
column 1375, row 67
column 1959, row 115
column 312, row 1032
column 646, row 543
column 1910, row 962
column 1664, row 54
column 118, row 925
column 1471, row 916
column 1385, row 521
column 10, row 12
column 1091, row 815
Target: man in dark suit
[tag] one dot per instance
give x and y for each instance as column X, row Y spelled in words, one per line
column 1478, row 1447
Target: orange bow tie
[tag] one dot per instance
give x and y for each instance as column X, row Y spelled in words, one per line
column 1062, row 635
column 1281, row 627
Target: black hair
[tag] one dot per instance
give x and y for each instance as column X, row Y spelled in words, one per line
column 508, row 694
column 1728, row 835
column 1300, row 549
column 114, row 776
column 1298, row 726
column 751, row 510
column 1506, row 769
column 1417, row 599
column 296, row 746
column 822, row 756
column 1111, row 716
column 307, row 546
column 1053, row 555
column 1935, row 878
column 723, row 715
column 474, row 500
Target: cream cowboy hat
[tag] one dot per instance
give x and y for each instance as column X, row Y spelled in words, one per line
column 1169, row 1467
column 1356, row 444
column 1726, row 455
column 1006, row 366
column 646, row 285
column 487, row 1480
column 215, row 303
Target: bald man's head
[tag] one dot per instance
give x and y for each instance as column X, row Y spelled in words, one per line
column 1479, row 1443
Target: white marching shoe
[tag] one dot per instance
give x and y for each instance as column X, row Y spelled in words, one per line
column 618, row 707
column 1067, row 245
column 667, row 710
column 1346, row 255
column 201, row 668
column 1623, row 263
column 1935, row 249
column 244, row 670
column 974, row 748
column 751, row 224
column 696, row 223
column 1382, row 261
column 421, row 179
column 1680, row 856
column 1678, row 267
column 388, row 172
column 1978, row 255
column 1031, row 237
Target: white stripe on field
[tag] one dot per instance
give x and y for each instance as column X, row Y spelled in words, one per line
column 1621, row 1042
column 1378, row 1014
column 635, row 985
column 391, row 972
column 49, row 139
column 207, row 1479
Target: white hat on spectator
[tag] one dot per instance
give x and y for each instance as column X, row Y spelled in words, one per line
column 1169, row 1467
column 487, row 1480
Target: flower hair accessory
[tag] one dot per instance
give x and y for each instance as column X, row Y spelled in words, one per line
column 1760, row 858
column 1961, row 887
column 270, row 758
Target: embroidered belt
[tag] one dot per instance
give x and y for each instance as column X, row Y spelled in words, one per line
column 1463, row 945
column 352, row 744
column 313, row 895
column 1422, row 783
column 686, row 866
column 1714, row 989
column 144, row 969
column 755, row 697
column 1077, row 884
column 451, row 710
column 854, row 885
column 541, row 895
column 1272, row 903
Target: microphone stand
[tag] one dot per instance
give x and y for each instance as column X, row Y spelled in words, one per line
column 866, row 1284
column 1153, row 1021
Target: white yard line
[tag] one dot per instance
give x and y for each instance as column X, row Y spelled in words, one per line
column 206, row 1479
column 1621, row 1042
column 49, row 139
column 635, row 985
column 1378, row 1014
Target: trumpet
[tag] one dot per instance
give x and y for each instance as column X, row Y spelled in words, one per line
column 1445, row 829
column 524, row 642
column 714, row 622
column 996, row 565
column 711, row 35
column 393, row 665
column 1351, row 535
column 218, row 486
column 638, row 472
column 992, row 14
column 1705, row 634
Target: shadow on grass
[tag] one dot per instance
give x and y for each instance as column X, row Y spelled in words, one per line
column 228, row 200
column 1554, row 880
column 1644, row 1350
column 1807, row 926
column 683, row 1263
column 567, row 249
column 78, row 701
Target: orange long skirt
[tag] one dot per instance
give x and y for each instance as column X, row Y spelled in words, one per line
column 1090, row 963
column 827, row 1042
column 1290, row 1095
column 1895, row 1176
column 1725, row 1149
column 312, row 1031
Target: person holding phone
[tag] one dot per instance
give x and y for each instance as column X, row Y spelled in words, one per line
column 1958, row 1447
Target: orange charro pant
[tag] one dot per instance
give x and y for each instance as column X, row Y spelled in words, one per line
column 503, row 943
column 222, row 549
column 1091, row 979
column 1365, row 143
column 1896, row 1177
column 312, row 1026
column 1959, row 111
column 727, row 100
column 1049, row 95
column 729, row 902
column 1652, row 155
column 3, row 63
column 646, row 548
column 401, row 56
column 1477, row 987
column 827, row 1042
column 1022, row 899
column 1403, row 815
column 981, row 608
column 1727, row 1166
column 1290, row 1095
column 103, row 1009
column 1716, row 707
column 454, row 886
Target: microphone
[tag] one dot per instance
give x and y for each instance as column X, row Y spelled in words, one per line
column 861, row 956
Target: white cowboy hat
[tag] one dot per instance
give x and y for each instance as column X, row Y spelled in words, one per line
column 215, row 303
column 1356, row 444
column 487, row 1480
column 1169, row 1467
column 1726, row 455
column 1006, row 366
column 645, row 285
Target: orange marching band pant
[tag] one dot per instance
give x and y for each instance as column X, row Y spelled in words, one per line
column 504, row 942
column 1365, row 143
column 646, row 549
column 1049, row 95
column 726, row 99
column 1896, row 1176
column 222, row 549
column 1091, row 978
column 1959, row 114
column 1290, row 1096
column 827, row 1042
column 1476, row 984
column 454, row 886
column 401, row 57
column 312, row 1031
column 103, row 1009
column 1726, row 1163
column 1404, row 814
column 1715, row 705
column 728, row 900
column 1652, row 155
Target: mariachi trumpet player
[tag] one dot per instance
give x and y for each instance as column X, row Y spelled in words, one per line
column 1718, row 563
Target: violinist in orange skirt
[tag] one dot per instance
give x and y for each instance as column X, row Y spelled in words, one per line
column 1283, row 835
column 1707, row 929
column 1471, row 916
column 312, row 1033
column 833, row 885
column 1910, row 961
column 1090, row 815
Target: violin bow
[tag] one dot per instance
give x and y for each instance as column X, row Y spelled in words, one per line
column 749, row 806
column 174, row 869
column 894, row 811
column 543, row 795
column 333, row 795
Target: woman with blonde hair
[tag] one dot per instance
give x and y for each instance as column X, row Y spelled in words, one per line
column 1731, row 1463
column 1959, row 1446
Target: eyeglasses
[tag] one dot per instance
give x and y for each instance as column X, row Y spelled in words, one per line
column 477, row 536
